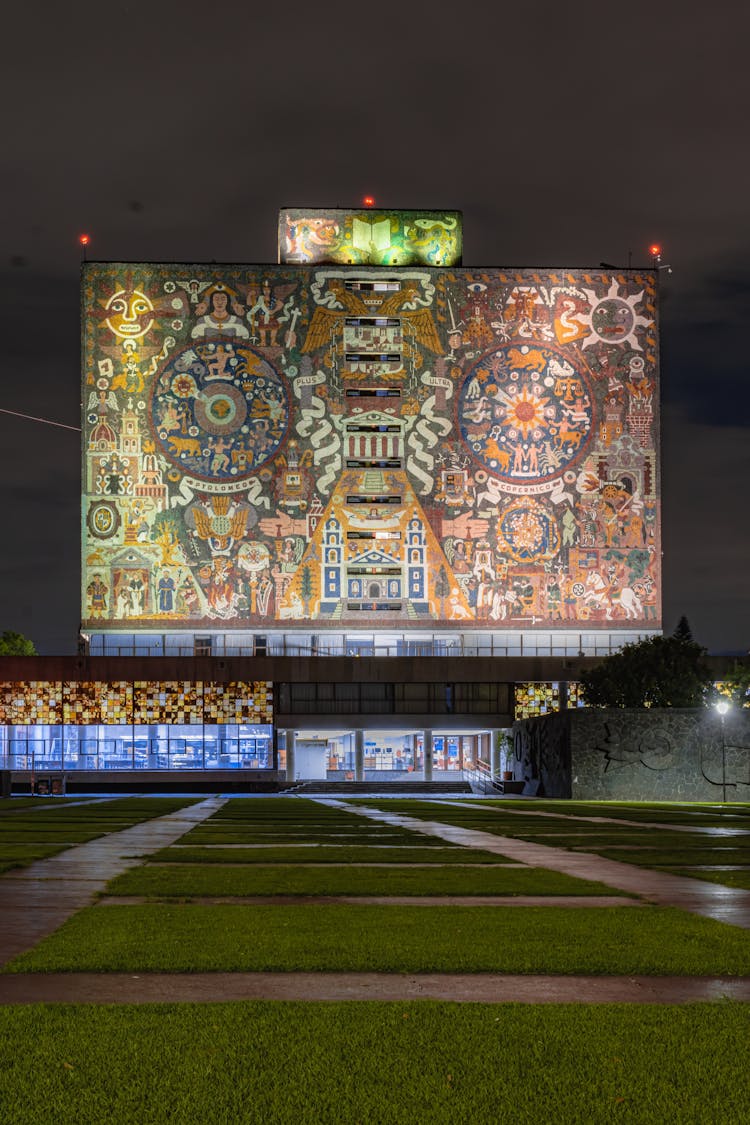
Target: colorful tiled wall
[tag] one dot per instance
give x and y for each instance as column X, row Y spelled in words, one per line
column 142, row 702
column 366, row 447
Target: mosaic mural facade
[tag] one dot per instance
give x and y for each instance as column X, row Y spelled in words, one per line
column 369, row 447
column 370, row 237
column 116, row 703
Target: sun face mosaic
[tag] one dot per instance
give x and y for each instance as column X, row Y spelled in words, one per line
column 360, row 446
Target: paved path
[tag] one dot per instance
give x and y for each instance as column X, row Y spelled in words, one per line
column 35, row 900
column 377, row 900
column 700, row 828
column 482, row 988
column 713, row 900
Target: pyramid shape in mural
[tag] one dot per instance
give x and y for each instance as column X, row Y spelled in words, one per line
column 374, row 556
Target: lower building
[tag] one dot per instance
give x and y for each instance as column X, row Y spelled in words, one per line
column 264, row 721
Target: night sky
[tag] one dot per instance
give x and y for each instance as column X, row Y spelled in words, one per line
column 568, row 135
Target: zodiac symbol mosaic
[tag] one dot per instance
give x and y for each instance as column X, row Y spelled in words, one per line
column 358, row 446
column 219, row 410
column 525, row 412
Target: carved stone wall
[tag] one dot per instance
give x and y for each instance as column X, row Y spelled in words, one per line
column 655, row 755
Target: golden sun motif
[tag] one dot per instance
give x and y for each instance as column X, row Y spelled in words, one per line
column 526, row 413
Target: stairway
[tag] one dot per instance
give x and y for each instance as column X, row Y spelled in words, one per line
column 408, row 788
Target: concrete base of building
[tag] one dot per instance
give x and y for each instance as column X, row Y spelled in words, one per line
column 80, row 782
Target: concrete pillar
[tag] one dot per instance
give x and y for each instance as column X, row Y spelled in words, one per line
column 427, row 753
column 359, row 755
column 496, row 757
column 290, row 739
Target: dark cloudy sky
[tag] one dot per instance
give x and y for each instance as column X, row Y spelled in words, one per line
column 567, row 134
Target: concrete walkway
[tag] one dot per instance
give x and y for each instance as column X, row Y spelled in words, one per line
column 35, row 900
column 480, row 988
column 701, row 829
column 575, row 901
column 712, row 900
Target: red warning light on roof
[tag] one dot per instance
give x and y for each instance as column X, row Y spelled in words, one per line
column 84, row 239
column 654, row 250
column 369, row 201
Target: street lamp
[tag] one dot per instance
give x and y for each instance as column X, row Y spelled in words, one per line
column 722, row 707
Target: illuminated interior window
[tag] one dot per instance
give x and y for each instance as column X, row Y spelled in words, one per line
column 385, row 286
column 373, row 535
column 373, row 498
column 372, row 428
column 373, row 392
column 368, row 463
column 374, row 607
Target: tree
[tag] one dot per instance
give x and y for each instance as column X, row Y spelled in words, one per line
column 735, row 685
column 656, row 672
column 683, row 632
column 15, row 644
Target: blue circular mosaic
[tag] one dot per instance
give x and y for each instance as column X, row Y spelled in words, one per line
column 525, row 412
column 219, row 410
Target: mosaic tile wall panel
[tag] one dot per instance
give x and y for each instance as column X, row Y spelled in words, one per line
column 367, row 448
column 35, row 701
column 173, row 702
column 237, row 703
column 370, row 237
column 122, row 703
column 539, row 698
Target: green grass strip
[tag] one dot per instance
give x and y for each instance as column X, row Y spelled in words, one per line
column 21, row 855
column 265, row 1063
column 333, row 838
column 325, row 854
column 686, row 857
column 740, row 879
column 190, row 938
column 186, row 882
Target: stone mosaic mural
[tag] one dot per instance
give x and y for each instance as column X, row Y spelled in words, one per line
column 369, row 447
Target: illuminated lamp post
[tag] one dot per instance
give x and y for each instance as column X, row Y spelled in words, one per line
column 722, row 707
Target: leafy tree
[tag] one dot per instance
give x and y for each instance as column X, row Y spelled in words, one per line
column 735, row 686
column 656, row 672
column 15, row 644
column 683, row 632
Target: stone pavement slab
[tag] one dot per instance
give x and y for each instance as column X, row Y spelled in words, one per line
column 480, row 988
column 712, row 900
column 377, row 900
column 37, row 899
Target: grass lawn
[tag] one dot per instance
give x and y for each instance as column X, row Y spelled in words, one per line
column 184, row 882
column 335, row 937
column 372, row 1063
column 10, row 804
column 670, row 857
column 27, row 836
column 249, row 836
column 21, row 855
column 264, row 1063
column 739, row 879
column 653, row 810
column 345, row 853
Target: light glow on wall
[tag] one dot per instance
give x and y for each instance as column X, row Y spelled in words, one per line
column 315, row 236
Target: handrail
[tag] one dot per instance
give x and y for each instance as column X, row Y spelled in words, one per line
column 483, row 779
